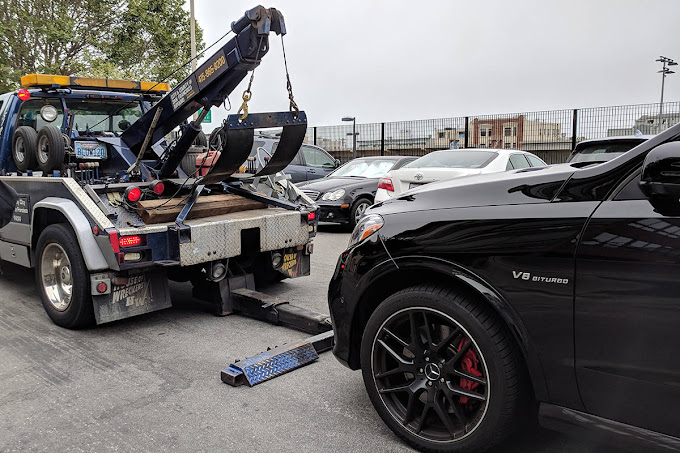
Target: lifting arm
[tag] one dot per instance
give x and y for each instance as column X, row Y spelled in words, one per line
column 209, row 85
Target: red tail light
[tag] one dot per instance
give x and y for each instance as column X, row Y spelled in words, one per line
column 386, row 183
column 24, row 94
column 311, row 216
column 158, row 187
column 133, row 194
column 129, row 241
column 113, row 239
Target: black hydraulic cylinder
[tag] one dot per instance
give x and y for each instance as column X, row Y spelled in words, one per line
column 180, row 149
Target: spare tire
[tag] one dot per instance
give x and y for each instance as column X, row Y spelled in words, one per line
column 51, row 148
column 24, row 148
column 201, row 139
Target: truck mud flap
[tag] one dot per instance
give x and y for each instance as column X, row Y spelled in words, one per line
column 238, row 138
column 130, row 295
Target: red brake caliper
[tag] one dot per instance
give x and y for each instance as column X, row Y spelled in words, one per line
column 469, row 364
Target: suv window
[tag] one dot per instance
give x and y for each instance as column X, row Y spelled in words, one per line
column 317, row 158
column 516, row 162
column 29, row 114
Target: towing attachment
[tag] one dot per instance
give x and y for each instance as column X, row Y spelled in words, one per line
column 236, row 139
column 277, row 361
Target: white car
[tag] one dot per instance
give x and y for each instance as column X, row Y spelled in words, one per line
column 452, row 163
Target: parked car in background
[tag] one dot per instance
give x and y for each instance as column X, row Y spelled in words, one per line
column 603, row 149
column 344, row 195
column 311, row 162
column 453, row 163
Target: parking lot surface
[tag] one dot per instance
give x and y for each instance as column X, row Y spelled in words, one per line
column 152, row 383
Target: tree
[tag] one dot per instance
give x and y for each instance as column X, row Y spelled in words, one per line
column 134, row 39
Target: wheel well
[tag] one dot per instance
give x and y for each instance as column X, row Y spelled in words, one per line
column 364, row 196
column 42, row 218
column 394, row 282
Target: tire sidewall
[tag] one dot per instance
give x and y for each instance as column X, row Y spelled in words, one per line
column 355, row 206
column 478, row 439
column 55, row 148
column 80, row 312
column 30, row 139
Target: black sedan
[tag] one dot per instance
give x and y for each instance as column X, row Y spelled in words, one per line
column 345, row 194
column 474, row 304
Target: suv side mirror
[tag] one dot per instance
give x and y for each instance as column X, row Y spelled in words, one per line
column 660, row 180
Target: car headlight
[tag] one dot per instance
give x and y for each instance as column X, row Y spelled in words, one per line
column 335, row 195
column 365, row 228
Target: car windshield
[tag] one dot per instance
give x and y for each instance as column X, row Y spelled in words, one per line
column 601, row 152
column 103, row 115
column 373, row 168
column 454, row 159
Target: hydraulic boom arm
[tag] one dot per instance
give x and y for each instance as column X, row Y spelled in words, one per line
column 209, row 85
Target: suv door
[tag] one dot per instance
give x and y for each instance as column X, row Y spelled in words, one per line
column 627, row 312
column 319, row 163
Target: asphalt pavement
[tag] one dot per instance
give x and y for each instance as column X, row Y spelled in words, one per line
column 152, row 383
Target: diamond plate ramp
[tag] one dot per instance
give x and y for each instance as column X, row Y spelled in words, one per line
column 270, row 364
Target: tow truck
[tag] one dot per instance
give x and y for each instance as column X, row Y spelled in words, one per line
column 107, row 215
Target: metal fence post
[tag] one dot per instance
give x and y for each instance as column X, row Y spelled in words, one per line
column 315, row 136
column 382, row 139
column 467, row 131
column 574, row 125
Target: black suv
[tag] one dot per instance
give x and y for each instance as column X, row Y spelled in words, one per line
column 471, row 303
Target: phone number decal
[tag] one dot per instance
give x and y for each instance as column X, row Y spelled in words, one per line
column 211, row 69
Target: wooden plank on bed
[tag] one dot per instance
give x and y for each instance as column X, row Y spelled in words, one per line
column 167, row 210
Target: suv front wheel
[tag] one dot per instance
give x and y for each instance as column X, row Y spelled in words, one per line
column 441, row 370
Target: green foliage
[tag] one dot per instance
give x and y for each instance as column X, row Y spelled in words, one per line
column 134, row 39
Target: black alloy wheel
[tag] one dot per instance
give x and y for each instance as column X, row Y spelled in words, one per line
column 440, row 370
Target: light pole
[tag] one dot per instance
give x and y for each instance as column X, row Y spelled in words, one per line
column 354, row 134
column 664, row 72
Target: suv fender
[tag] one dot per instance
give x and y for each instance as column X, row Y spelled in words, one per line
column 436, row 269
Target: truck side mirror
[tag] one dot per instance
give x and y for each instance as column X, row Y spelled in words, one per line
column 660, row 180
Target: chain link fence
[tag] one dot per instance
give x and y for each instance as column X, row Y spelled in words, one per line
column 550, row 134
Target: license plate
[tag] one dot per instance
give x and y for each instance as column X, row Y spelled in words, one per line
column 415, row 184
column 90, row 150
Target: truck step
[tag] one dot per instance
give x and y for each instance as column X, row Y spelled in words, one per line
column 277, row 361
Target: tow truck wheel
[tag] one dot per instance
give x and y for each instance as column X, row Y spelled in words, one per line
column 24, row 147
column 63, row 279
column 442, row 370
column 51, row 148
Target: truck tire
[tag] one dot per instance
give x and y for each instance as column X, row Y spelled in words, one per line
column 63, row 279
column 51, row 148
column 442, row 370
column 24, row 148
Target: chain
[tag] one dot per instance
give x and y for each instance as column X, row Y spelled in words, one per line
column 293, row 106
column 247, row 94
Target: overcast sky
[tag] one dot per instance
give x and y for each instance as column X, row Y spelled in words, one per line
column 396, row 60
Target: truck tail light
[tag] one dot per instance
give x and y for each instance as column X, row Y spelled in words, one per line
column 113, row 239
column 133, row 194
column 386, row 183
column 311, row 216
column 158, row 187
column 129, row 241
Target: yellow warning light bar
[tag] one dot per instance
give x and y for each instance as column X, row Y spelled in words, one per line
column 48, row 80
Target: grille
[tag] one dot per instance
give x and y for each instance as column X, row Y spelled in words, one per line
column 313, row 194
